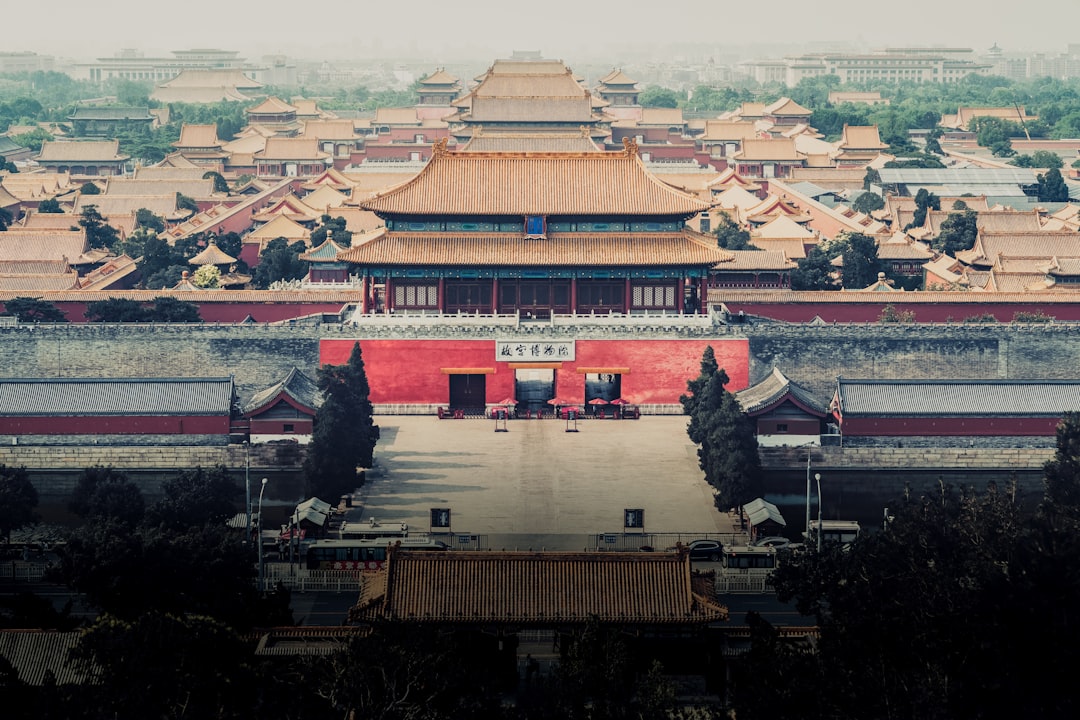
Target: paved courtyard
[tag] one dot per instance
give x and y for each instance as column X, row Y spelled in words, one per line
column 536, row 485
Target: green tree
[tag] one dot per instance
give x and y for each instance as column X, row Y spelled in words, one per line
column 185, row 203
column 334, row 228
column 89, row 188
column 220, row 184
column 18, row 500
column 730, row 235
column 146, row 219
column 728, row 448
column 1039, row 159
column 1052, row 187
column 345, row 433
column 195, row 498
column 861, row 264
column 33, row 139
column 924, row 202
column 206, row 276
column 814, row 272
column 1062, row 473
column 5, row 219
column 107, row 493
column 50, row 206
column 658, row 97
column 34, row 310
column 168, row 309
column 99, row 234
column 116, row 310
column 280, row 261
column 867, row 203
column 958, row 232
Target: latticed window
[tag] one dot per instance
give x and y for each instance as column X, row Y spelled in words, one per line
column 653, row 296
column 416, row 296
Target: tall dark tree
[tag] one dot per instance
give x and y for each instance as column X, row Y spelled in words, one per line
column 1052, row 187
column 34, row 310
column 280, row 261
column 196, row 497
column 728, row 447
column 89, row 188
column 147, row 219
column 814, row 272
column 107, row 493
column 18, row 500
column 116, row 310
column 99, row 234
column 730, row 235
column 5, row 219
column 924, row 202
column 169, row 310
column 220, row 184
column 958, row 232
column 867, row 202
column 50, row 206
column 345, row 433
column 334, row 228
column 861, row 264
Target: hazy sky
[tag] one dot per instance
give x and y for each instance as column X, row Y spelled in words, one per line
column 568, row 29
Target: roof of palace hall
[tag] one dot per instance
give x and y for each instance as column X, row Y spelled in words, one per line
column 684, row 248
column 522, row 183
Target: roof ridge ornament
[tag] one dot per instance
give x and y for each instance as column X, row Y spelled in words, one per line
column 439, row 148
column 630, row 146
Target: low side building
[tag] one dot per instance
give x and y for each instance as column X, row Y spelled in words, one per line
column 285, row 410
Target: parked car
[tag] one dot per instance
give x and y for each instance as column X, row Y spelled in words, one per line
column 773, row 541
column 710, row 550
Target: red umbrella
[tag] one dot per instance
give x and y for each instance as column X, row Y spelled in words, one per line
column 598, row 401
column 620, row 401
column 508, row 401
column 557, row 401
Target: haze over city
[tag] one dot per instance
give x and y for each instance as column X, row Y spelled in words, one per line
column 478, row 29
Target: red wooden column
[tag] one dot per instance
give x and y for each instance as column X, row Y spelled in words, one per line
column 388, row 288
column 363, row 295
column 494, row 295
column 680, row 288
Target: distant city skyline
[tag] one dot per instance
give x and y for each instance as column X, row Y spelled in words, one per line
column 484, row 29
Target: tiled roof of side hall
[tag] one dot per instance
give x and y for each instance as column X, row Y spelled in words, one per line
column 997, row 397
column 112, row 396
column 596, row 184
column 545, row 587
column 512, row 249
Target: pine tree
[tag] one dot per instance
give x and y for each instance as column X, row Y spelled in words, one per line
column 345, row 433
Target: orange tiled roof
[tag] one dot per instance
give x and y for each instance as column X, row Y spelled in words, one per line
column 512, row 249
column 439, row 77
column 283, row 148
column 81, row 151
column 861, row 137
column 787, row 106
column 200, row 136
column 58, row 246
column 539, row 587
column 770, row 149
column 272, row 105
column 454, row 183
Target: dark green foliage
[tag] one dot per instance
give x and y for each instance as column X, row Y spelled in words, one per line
column 280, row 261
column 18, row 500
column 115, row 310
column 196, row 497
column 33, row 139
column 1052, row 187
column 89, row 188
column 345, row 433
column 1039, row 159
column 99, row 234
column 170, row 310
column 730, row 235
column 814, row 272
column 867, row 203
column 924, row 201
column 34, row 310
column 728, row 448
column 103, row 493
column 49, row 206
column 861, row 265
column 872, row 177
column 958, row 232
column 916, row 161
column 220, row 184
column 148, row 220
column 333, row 228
column 5, row 219
column 658, row 97
column 185, row 203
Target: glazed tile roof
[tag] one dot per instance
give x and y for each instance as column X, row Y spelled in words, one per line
column 296, row 385
column 617, row 77
column 596, row 184
column 140, row 186
column 328, row 251
column 33, row 283
column 861, row 137
column 538, row 588
column 728, row 130
column 514, row 250
column 58, row 246
column 989, row 246
column 54, row 151
column 115, row 396
column 212, row 255
column 187, row 172
column 439, row 77
column 280, row 226
column 34, row 220
column 162, row 205
column 771, row 391
column 37, row 654
column 770, row 149
column 283, row 148
column 110, row 113
column 957, row 398
column 272, row 106
column 396, row 116
column 330, row 129
column 752, row 260
column 783, row 227
column 324, row 198
column 531, row 110
column 792, row 249
column 198, row 136
column 785, row 107
column 530, row 142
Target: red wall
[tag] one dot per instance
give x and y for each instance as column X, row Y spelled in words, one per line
column 225, row 312
column 116, row 425
column 410, row 371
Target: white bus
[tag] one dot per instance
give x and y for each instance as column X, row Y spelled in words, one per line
column 372, row 530
column 833, row 531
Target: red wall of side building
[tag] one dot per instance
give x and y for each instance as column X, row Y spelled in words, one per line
column 413, row 371
column 116, row 425
column 925, row 312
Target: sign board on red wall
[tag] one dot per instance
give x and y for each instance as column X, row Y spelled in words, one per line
column 547, row 351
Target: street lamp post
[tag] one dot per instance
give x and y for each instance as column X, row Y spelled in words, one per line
column 809, row 452
column 247, row 488
column 258, row 544
column 817, row 477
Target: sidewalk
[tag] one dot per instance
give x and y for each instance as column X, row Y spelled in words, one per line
column 536, row 485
